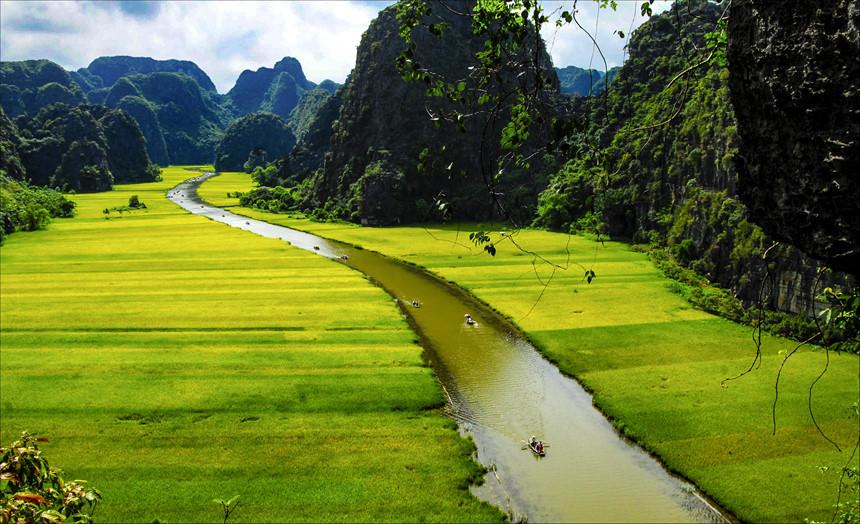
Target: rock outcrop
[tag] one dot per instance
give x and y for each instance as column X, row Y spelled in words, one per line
column 275, row 90
column 261, row 136
column 384, row 131
column 795, row 87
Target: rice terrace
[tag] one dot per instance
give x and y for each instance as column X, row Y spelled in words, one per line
column 515, row 260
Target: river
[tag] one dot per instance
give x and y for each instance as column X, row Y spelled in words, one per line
column 501, row 390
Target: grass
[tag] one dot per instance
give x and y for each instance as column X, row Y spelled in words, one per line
column 171, row 360
column 654, row 363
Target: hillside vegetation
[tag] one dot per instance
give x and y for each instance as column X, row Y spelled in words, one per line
column 174, row 102
column 85, row 148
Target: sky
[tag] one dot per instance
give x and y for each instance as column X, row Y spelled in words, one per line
column 225, row 37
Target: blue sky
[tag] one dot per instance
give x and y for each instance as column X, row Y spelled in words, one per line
column 224, row 38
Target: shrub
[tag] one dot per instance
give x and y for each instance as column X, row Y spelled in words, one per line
column 32, row 491
column 27, row 208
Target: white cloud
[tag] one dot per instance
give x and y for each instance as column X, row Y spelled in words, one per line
column 570, row 45
column 224, row 38
column 322, row 35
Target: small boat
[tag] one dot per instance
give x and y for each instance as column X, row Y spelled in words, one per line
column 536, row 446
column 469, row 320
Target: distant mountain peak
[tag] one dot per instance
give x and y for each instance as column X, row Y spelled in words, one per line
column 111, row 68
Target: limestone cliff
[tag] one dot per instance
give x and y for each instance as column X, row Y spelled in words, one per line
column 370, row 171
column 795, row 87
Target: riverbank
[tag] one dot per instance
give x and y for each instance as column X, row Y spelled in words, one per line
column 654, row 364
column 170, row 360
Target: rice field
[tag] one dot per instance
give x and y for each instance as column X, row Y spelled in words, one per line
column 171, row 360
column 655, row 364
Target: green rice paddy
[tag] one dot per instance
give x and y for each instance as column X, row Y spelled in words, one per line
column 654, row 363
column 171, row 360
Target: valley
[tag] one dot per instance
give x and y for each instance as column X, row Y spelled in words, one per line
column 591, row 261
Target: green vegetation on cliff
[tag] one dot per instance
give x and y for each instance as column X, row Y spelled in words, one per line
column 584, row 82
column 28, row 86
column 659, row 168
column 253, row 140
column 84, row 148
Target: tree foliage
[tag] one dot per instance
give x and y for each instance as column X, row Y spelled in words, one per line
column 32, row 491
column 28, row 208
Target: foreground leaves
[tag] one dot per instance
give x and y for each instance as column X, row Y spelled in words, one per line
column 32, row 491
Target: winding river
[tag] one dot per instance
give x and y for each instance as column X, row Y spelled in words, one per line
column 501, row 390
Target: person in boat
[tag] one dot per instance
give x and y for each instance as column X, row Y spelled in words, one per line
column 416, row 304
column 536, row 444
column 469, row 320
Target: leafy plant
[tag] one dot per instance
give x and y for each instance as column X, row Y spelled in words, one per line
column 27, row 208
column 32, row 491
column 135, row 203
column 228, row 506
column 481, row 238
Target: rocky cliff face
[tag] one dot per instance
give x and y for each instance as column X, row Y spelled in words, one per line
column 675, row 183
column 384, row 131
column 795, row 90
column 253, row 140
column 276, row 90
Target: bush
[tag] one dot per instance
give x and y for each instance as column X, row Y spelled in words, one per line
column 272, row 199
column 135, row 203
column 32, row 491
column 684, row 251
column 27, row 208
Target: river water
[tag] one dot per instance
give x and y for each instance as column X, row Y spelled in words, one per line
column 501, row 390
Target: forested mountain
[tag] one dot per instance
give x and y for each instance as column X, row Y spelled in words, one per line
column 189, row 119
column 307, row 156
column 103, row 72
column 174, row 102
column 84, row 148
column 28, row 86
column 252, row 141
column 302, row 116
column 275, row 90
column 584, row 82
column 371, row 171
column 666, row 172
